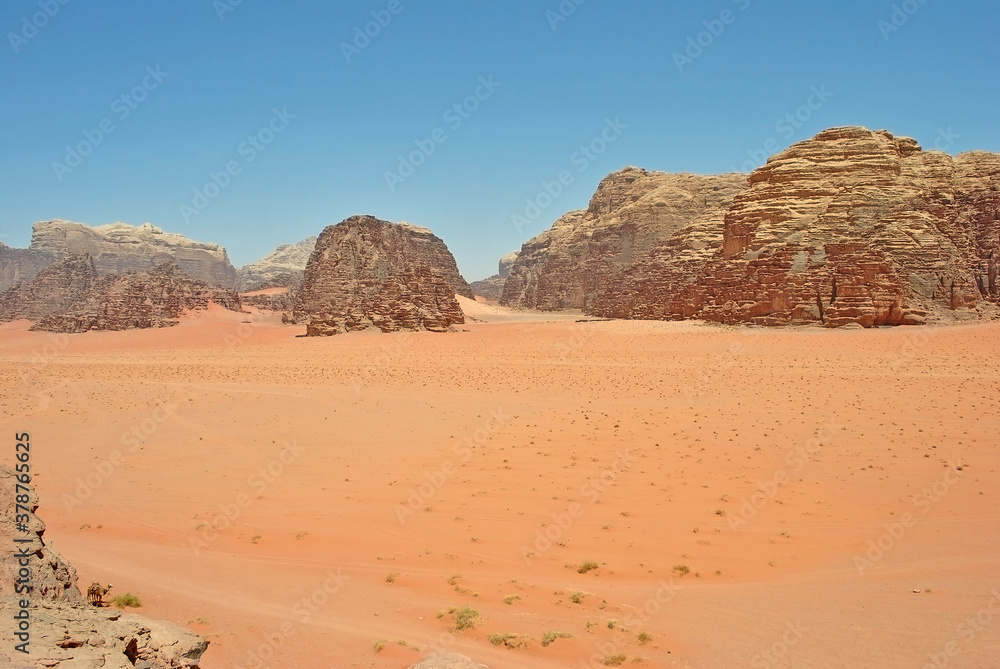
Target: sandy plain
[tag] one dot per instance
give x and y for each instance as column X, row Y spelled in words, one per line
column 751, row 497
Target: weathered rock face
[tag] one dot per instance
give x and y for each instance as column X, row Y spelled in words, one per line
column 367, row 273
column 270, row 301
column 632, row 211
column 21, row 265
column 492, row 288
column 118, row 248
column 70, row 296
column 853, row 226
column 282, row 268
column 65, row 631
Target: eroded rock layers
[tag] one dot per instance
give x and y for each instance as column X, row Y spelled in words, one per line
column 367, row 273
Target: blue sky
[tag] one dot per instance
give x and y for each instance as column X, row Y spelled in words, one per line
column 300, row 131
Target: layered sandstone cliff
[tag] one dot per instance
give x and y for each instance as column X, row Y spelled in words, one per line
column 284, row 267
column 63, row 629
column 118, row 248
column 368, row 273
column 632, row 211
column 71, row 296
column 852, row 226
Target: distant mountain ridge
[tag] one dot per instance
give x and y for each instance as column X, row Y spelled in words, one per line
column 116, row 248
column 284, row 267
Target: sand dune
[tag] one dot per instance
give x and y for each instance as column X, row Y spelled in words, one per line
column 732, row 486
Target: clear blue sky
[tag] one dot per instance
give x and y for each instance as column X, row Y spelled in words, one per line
column 221, row 78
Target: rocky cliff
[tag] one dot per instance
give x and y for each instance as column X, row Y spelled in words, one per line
column 284, row 267
column 63, row 629
column 632, row 212
column 852, row 226
column 118, row 248
column 367, row 273
column 492, row 288
column 21, row 265
column 71, row 296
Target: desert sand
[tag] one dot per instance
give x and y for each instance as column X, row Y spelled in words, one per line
column 751, row 497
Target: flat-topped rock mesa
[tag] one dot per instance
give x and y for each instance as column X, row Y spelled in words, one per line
column 66, row 631
column 118, row 248
column 367, row 273
column 852, row 226
column 492, row 287
column 71, row 296
column 284, row 267
column 632, row 211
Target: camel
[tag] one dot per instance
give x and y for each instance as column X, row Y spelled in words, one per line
column 96, row 592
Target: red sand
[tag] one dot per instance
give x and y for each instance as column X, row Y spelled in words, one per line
column 439, row 462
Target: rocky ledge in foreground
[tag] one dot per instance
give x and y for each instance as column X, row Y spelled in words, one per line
column 367, row 273
column 64, row 631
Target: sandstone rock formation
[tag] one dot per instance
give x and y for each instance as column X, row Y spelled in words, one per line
column 492, row 288
column 270, row 300
column 118, row 248
column 368, row 273
column 284, row 267
column 632, row 211
column 21, row 265
column 70, row 296
column 65, row 631
column 852, row 226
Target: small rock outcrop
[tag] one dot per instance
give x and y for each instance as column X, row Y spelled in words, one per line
column 851, row 227
column 64, row 630
column 449, row 661
column 70, row 296
column 367, row 273
column 492, row 288
column 284, row 267
column 632, row 211
column 118, row 248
